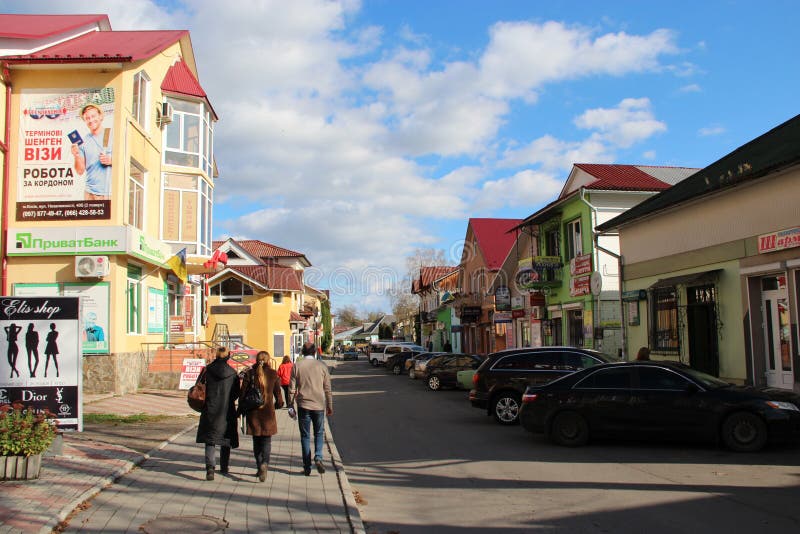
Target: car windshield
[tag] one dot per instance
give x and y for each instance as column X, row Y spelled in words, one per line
column 705, row 380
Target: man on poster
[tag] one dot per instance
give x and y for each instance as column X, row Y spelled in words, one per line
column 93, row 154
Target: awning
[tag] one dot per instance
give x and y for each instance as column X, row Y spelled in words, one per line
column 692, row 279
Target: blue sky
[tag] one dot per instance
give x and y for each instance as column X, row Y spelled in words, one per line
column 356, row 132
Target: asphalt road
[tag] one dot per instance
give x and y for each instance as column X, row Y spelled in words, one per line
column 424, row 461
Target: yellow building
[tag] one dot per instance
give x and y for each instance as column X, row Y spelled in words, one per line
column 108, row 174
column 260, row 298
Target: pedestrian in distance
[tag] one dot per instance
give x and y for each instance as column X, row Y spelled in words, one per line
column 51, row 348
column 285, row 374
column 32, row 346
column 261, row 422
column 218, row 418
column 643, row 354
column 447, row 347
column 310, row 390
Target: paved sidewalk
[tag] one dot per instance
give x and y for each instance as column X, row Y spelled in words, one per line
column 166, row 489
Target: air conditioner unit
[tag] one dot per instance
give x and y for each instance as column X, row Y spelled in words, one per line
column 91, row 266
column 166, row 113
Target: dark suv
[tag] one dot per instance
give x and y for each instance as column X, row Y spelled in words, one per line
column 500, row 381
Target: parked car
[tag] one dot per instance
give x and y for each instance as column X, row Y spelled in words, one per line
column 500, row 381
column 381, row 350
column 349, row 355
column 395, row 363
column 659, row 400
column 419, row 363
column 441, row 370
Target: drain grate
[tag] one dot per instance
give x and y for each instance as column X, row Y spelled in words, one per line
column 196, row 524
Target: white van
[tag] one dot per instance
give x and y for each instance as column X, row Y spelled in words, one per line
column 379, row 351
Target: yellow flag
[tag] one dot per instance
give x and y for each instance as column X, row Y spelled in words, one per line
column 178, row 265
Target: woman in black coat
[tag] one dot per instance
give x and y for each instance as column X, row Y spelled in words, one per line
column 218, row 418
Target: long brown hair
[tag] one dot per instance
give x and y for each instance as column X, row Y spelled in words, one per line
column 259, row 372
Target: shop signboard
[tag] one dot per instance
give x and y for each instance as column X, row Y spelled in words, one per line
column 580, row 265
column 470, row 314
column 516, row 314
column 781, row 240
column 65, row 157
column 502, row 317
column 579, row 286
column 502, row 299
column 43, row 368
column 517, row 303
column 66, row 240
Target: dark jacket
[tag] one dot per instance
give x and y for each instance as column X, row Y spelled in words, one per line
column 218, row 418
column 261, row 422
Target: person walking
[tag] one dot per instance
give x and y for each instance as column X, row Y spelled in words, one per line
column 218, row 417
column 261, row 422
column 643, row 355
column 310, row 389
column 285, row 374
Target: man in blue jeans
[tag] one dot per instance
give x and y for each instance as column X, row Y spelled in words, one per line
column 310, row 390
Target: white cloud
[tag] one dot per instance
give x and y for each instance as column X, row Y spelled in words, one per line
column 525, row 188
column 630, row 122
column 554, row 154
column 691, row 88
column 711, row 130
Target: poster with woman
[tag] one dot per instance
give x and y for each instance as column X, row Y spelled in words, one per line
column 41, row 363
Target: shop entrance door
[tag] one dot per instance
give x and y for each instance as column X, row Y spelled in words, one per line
column 775, row 314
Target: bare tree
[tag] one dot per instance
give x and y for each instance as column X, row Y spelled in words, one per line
column 404, row 303
column 347, row 316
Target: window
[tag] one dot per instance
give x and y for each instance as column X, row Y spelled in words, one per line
column 575, row 325
column 540, row 361
column 574, row 361
column 551, row 242
column 136, row 182
column 187, row 211
column 574, row 242
column 664, row 319
column 140, row 107
column 134, row 300
column 657, row 378
column 231, row 290
column 606, row 379
column 190, row 136
column 277, row 298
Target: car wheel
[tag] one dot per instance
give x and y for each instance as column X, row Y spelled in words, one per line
column 569, row 429
column 434, row 384
column 396, row 369
column 374, row 362
column 506, row 408
column 744, row 432
column 411, row 374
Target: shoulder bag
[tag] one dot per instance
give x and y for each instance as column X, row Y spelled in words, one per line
column 197, row 393
column 252, row 398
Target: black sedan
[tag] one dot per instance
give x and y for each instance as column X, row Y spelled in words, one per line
column 442, row 370
column 662, row 400
column 396, row 363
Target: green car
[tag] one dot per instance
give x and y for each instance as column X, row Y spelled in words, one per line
column 464, row 379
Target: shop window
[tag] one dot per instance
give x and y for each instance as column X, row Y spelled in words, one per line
column 664, row 314
column 134, row 300
column 574, row 242
column 140, row 107
column 136, row 181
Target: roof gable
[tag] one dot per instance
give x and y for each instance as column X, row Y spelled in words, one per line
column 494, row 239
column 268, row 277
column 260, row 250
column 181, row 80
column 777, row 149
column 22, row 26
column 611, row 177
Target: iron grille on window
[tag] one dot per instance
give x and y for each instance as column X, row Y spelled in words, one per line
column 665, row 333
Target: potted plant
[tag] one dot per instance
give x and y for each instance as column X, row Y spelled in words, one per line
column 24, row 436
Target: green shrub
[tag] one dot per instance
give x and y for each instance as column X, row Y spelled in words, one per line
column 23, row 432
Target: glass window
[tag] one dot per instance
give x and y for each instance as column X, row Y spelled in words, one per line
column 658, row 378
column 140, row 107
column 277, row 298
column 539, row 361
column 551, row 243
column 189, row 137
column 574, row 361
column 187, row 211
column 134, row 300
column 574, row 243
column 607, row 379
column 136, row 183
column 664, row 318
column 231, row 290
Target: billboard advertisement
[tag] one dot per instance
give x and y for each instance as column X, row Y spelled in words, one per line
column 65, row 157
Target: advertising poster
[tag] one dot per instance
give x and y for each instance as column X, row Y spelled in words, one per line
column 95, row 316
column 155, row 311
column 65, row 157
column 41, row 366
column 190, row 371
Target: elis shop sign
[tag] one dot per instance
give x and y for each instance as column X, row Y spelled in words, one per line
column 43, row 365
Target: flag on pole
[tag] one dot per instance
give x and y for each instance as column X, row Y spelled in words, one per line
column 178, row 265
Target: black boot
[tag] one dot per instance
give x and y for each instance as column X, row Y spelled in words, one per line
column 209, row 473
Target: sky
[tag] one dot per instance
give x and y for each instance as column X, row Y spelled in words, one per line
column 356, row 132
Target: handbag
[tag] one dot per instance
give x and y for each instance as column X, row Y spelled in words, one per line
column 252, row 398
column 197, row 393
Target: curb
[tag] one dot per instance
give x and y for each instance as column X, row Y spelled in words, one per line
column 107, row 481
column 353, row 512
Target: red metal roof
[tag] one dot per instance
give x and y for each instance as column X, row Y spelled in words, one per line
column 272, row 276
column 106, row 46
column 621, row 178
column 295, row 317
column 260, row 249
column 494, row 239
column 180, row 79
column 40, row 26
column 429, row 274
